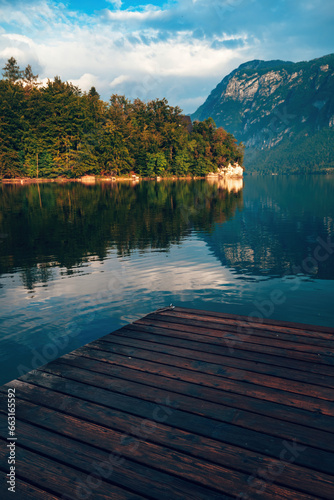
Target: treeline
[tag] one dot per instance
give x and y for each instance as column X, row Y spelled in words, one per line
column 58, row 130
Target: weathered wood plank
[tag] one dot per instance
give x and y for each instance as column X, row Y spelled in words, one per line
column 220, row 346
column 323, row 361
column 288, row 349
column 261, row 323
column 215, row 409
column 23, row 490
column 214, row 364
column 58, row 478
column 274, row 333
column 240, row 387
column 126, row 370
column 224, row 432
column 237, row 458
column 210, row 353
column 114, row 463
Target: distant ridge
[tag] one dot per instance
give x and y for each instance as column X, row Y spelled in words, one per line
column 282, row 111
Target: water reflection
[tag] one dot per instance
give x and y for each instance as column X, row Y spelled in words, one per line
column 274, row 232
column 285, row 224
column 228, row 183
column 64, row 225
column 79, row 261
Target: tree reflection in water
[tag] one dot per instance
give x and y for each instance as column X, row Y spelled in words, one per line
column 64, row 225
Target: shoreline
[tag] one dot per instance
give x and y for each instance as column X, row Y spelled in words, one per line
column 94, row 180
column 135, row 179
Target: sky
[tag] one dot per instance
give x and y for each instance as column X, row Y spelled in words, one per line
column 177, row 49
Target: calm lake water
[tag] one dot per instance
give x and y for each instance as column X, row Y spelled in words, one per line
column 79, row 261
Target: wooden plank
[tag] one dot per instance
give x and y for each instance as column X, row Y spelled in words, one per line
column 209, row 363
column 291, row 475
column 264, row 321
column 55, row 477
column 245, row 419
column 270, row 332
column 155, row 376
column 313, row 458
column 210, row 353
column 240, row 387
column 222, row 479
column 289, row 349
column 216, row 369
column 213, row 406
column 322, row 363
column 23, row 490
column 113, row 465
column 250, row 353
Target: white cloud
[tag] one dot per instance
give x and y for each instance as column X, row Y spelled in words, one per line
column 117, row 3
column 19, row 38
column 179, row 51
column 119, row 80
column 8, row 52
column 85, row 82
column 138, row 17
column 24, row 14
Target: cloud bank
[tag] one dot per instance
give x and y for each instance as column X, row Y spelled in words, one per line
column 179, row 50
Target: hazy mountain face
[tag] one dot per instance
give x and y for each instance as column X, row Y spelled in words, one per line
column 283, row 112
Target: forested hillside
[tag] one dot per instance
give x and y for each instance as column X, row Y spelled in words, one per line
column 58, row 130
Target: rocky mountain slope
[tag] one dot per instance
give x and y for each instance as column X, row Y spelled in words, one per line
column 282, row 111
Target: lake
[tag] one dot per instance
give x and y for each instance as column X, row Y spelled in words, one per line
column 79, row 261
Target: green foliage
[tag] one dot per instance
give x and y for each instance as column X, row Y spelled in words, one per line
column 57, row 130
column 303, row 154
column 11, row 71
column 182, row 162
column 156, row 163
column 28, row 76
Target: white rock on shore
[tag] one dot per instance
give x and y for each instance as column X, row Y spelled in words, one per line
column 234, row 170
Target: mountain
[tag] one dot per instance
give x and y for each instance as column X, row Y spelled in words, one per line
column 282, row 111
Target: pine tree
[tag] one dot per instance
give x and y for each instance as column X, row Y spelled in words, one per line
column 29, row 77
column 11, row 71
column 93, row 93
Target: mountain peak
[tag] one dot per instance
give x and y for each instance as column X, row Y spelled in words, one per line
column 260, row 64
column 266, row 104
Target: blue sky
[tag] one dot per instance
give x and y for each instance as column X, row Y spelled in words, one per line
column 178, row 49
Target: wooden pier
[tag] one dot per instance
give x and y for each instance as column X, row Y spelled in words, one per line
column 181, row 404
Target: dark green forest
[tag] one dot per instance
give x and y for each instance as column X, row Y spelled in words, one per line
column 56, row 130
column 303, row 154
